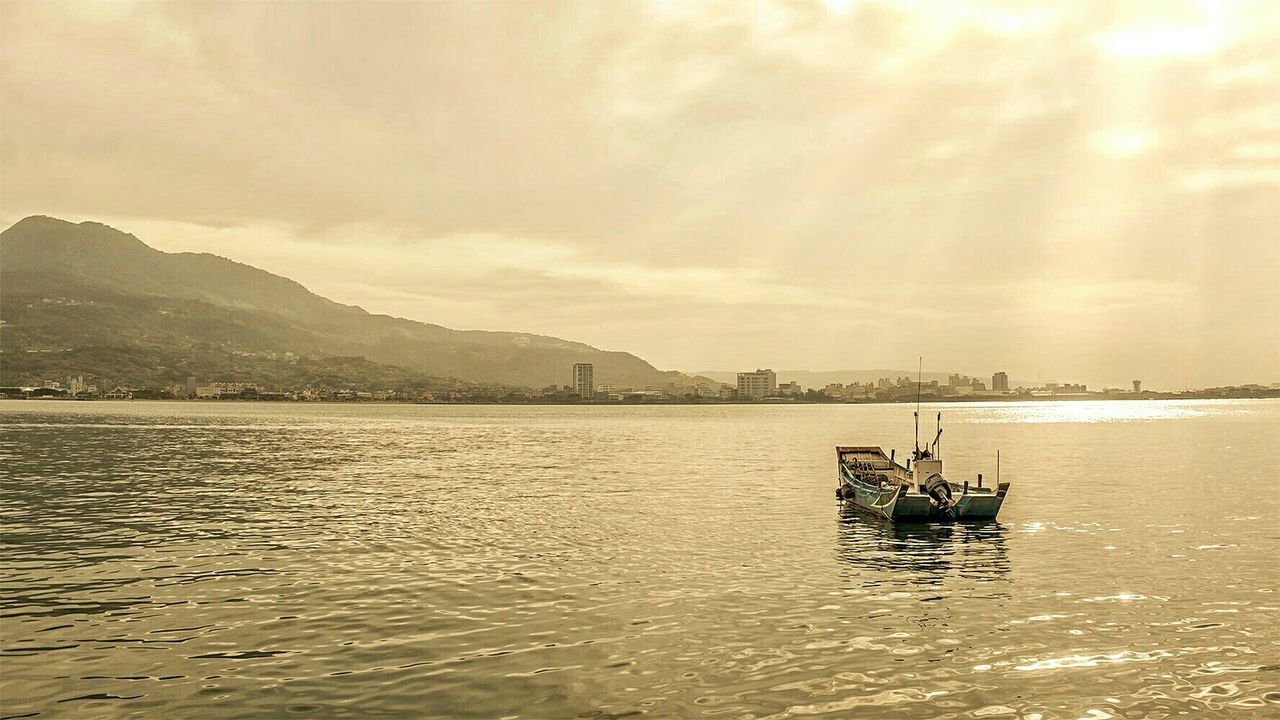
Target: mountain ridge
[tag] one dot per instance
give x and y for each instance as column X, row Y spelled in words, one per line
column 67, row 285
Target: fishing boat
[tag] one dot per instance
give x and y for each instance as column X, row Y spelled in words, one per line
column 871, row 481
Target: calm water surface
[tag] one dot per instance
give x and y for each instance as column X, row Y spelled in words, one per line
column 236, row 560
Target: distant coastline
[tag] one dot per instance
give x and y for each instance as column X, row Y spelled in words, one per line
column 1266, row 394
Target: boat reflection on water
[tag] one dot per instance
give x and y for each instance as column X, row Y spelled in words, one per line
column 888, row 553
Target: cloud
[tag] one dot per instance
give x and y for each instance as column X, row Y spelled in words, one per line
column 1123, row 143
column 783, row 178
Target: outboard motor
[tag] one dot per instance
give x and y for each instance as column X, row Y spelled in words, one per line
column 939, row 492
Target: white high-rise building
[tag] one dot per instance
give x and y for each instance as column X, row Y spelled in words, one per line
column 758, row 384
column 584, row 382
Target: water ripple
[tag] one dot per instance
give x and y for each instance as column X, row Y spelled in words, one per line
column 357, row 561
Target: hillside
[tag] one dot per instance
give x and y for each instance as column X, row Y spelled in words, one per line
column 92, row 292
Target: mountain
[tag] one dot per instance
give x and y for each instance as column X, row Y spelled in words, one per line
column 78, row 293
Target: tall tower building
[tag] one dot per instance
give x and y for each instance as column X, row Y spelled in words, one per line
column 1137, row 386
column 1000, row 382
column 584, row 382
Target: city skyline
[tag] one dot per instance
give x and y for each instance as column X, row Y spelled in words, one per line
column 760, row 384
column 1085, row 193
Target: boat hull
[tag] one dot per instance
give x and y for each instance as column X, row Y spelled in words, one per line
column 897, row 502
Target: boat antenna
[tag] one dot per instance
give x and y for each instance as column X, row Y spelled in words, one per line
column 919, row 377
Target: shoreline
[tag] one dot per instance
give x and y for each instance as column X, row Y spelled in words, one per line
column 1272, row 395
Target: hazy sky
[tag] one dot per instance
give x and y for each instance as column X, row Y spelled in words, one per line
column 1083, row 191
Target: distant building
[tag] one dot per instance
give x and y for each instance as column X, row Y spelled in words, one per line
column 1000, row 382
column 224, row 389
column 859, row 391
column 584, row 382
column 758, row 384
column 1137, row 386
column 791, row 388
column 834, row 390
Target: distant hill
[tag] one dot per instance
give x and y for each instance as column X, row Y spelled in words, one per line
column 89, row 298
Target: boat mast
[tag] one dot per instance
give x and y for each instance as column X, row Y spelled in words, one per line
column 919, row 377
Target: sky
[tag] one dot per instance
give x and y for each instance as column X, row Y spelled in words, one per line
column 1072, row 191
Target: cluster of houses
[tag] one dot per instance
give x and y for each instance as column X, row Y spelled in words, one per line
column 752, row 386
column 74, row 386
column 762, row 385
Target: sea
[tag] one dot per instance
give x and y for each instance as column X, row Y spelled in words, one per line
column 269, row 560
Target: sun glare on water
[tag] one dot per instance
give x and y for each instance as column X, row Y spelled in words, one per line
column 1086, row 412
